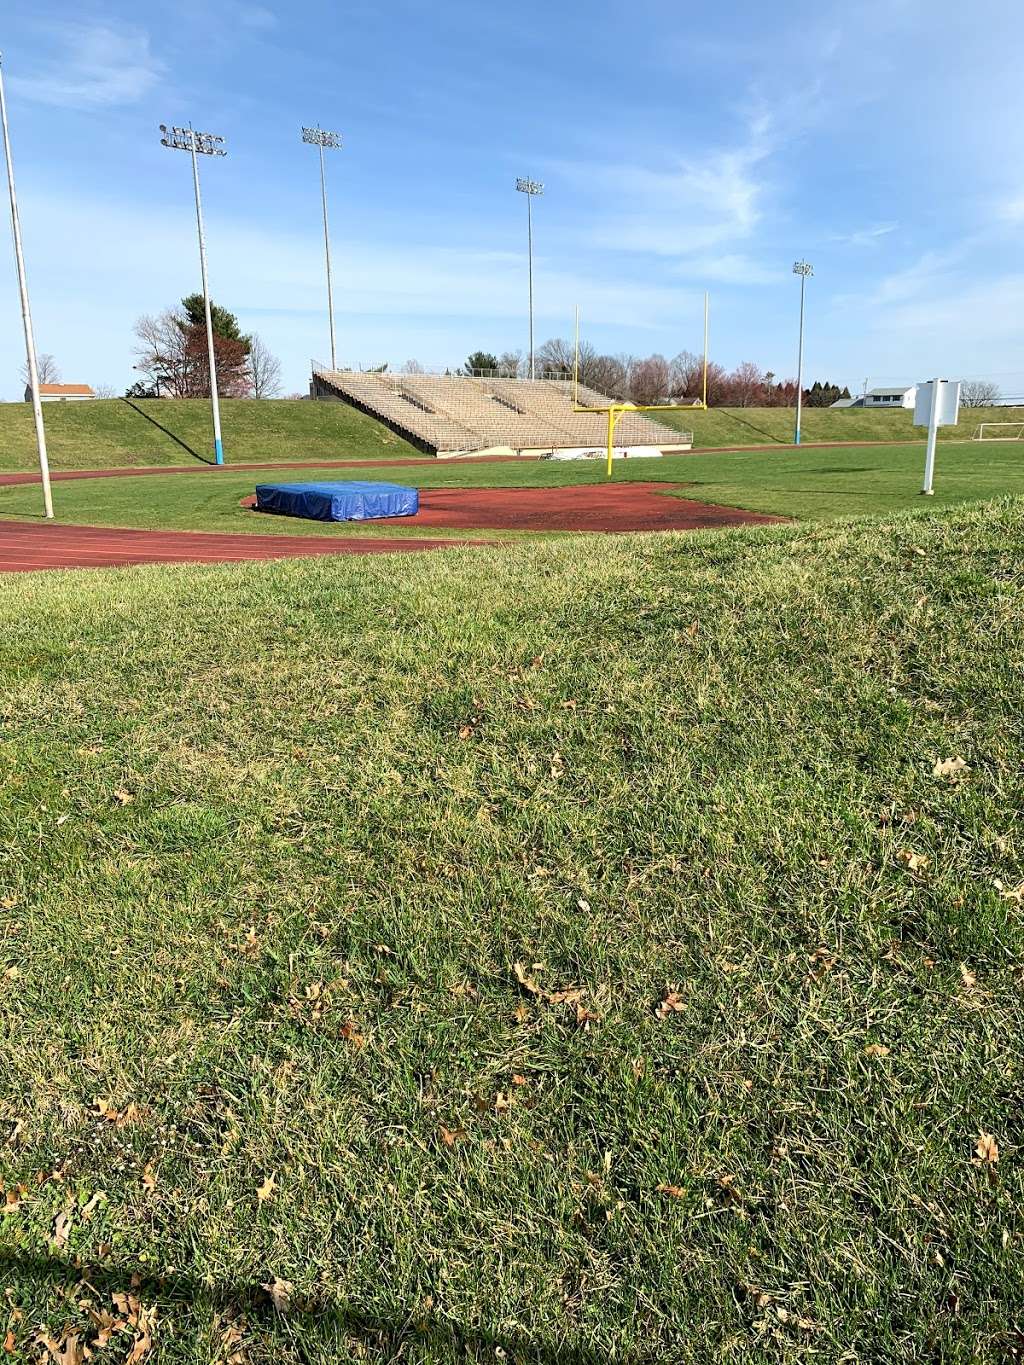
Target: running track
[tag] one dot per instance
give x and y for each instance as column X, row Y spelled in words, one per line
column 26, row 545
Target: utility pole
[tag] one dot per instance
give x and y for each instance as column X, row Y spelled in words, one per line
column 320, row 138
column 804, row 270
column 530, row 188
column 26, row 312
column 206, row 144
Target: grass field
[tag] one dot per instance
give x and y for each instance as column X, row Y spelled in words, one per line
column 806, row 484
column 568, row 956
column 111, row 433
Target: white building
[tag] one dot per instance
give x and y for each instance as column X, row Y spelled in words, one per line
column 60, row 393
column 901, row 397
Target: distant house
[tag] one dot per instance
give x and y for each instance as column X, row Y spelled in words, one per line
column 60, row 393
column 899, row 397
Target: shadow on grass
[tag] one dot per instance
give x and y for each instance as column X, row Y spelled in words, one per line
column 758, row 431
column 309, row 1325
column 176, row 439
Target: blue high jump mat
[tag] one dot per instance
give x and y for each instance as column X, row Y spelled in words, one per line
column 349, row 501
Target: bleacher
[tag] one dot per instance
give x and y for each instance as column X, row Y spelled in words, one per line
column 449, row 415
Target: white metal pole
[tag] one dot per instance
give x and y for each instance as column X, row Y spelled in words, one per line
column 529, row 237
column 800, row 366
column 933, row 431
column 218, row 445
column 26, row 312
column 327, row 252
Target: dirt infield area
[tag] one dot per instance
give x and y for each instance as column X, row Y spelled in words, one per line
column 588, row 507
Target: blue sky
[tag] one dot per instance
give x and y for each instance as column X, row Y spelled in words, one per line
column 682, row 148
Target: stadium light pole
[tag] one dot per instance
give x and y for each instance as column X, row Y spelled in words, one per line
column 320, row 138
column 26, row 312
column 205, row 144
column 530, row 188
column 804, row 270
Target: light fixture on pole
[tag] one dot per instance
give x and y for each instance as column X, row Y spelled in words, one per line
column 804, row 270
column 201, row 144
column 530, row 188
column 26, row 312
column 320, row 138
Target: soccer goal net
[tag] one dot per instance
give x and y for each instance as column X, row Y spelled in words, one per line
column 999, row 431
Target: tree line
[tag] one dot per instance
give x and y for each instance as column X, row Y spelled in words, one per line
column 655, row 378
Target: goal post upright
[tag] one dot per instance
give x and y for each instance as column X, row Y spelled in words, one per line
column 615, row 411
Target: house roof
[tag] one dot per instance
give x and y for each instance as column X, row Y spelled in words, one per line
column 65, row 389
column 892, row 388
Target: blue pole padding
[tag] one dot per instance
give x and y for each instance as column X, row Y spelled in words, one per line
column 218, row 450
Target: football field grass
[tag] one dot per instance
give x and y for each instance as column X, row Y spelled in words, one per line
column 609, row 951
column 805, row 484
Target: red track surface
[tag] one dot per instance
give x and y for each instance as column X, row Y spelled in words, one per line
column 586, row 507
column 28, row 545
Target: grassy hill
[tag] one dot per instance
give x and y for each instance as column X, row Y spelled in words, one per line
column 113, row 432
column 759, row 426
column 569, row 953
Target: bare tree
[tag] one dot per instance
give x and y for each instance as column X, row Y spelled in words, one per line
column 510, row 364
column 173, row 359
column 264, row 369
column 105, row 391
column 979, row 393
column 746, row 386
column 47, row 369
column 650, row 380
column 413, row 367
column 607, row 375
column 554, row 359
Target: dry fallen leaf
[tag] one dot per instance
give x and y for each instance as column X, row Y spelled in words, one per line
column 450, row 1136
column 876, row 1050
column 913, row 862
column 987, row 1149
column 70, row 1350
column 967, row 976
column 90, row 1207
column 267, row 1188
column 123, row 798
column 673, row 1003
column 351, row 1034
column 61, row 1228
column 10, row 1342
column 673, row 1191
column 280, row 1292
column 950, row 767
column 149, row 1179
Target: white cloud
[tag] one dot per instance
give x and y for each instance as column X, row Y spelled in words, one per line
column 865, row 236
column 1012, row 210
column 95, row 67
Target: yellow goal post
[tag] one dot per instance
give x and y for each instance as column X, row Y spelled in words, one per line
column 616, row 411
